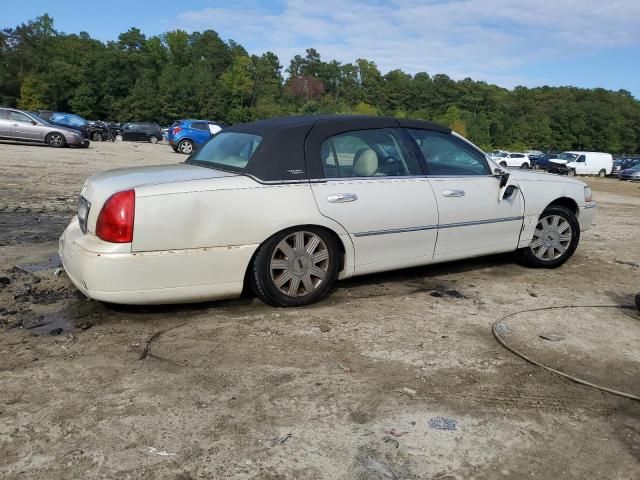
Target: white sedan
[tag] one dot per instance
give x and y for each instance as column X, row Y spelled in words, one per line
column 288, row 206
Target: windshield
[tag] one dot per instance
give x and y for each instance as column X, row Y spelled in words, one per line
column 567, row 156
column 68, row 119
column 229, row 150
column 501, row 154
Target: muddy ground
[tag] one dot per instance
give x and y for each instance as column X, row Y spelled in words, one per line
column 393, row 376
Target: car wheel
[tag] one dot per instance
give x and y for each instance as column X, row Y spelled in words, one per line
column 571, row 173
column 602, row 173
column 119, row 138
column 503, row 164
column 524, row 165
column 175, row 149
column 153, row 139
column 554, row 240
column 56, row 140
column 186, row 147
column 295, row 267
column 97, row 137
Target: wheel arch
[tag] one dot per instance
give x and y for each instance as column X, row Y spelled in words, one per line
column 330, row 231
column 566, row 202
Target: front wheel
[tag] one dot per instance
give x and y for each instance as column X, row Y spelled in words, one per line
column 295, row 267
column 56, row 140
column 503, row 164
column 554, row 240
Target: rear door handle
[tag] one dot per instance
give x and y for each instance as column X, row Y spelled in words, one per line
column 342, row 197
column 453, row 193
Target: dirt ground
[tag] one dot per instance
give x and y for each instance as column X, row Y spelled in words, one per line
column 393, row 376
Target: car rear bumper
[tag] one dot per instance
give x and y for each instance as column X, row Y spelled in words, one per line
column 176, row 276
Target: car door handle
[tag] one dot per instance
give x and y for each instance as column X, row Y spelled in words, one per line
column 453, row 193
column 342, row 197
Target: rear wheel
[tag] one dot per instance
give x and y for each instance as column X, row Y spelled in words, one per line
column 295, row 267
column 56, row 140
column 186, row 147
column 555, row 238
column 524, row 165
column 602, row 173
column 153, row 139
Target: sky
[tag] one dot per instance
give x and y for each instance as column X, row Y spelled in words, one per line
column 585, row 43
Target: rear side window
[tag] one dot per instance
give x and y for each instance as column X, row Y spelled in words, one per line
column 231, row 150
column 199, row 126
column 444, row 154
column 4, row 114
column 366, row 153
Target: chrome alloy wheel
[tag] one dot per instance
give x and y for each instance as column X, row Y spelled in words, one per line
column 299, row 264
column 185, row 147
column 56, row 140
column 551, row 238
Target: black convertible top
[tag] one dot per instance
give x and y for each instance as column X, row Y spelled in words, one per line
column 290, row 144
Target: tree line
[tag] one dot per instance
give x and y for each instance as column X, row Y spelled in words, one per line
column 199, row 75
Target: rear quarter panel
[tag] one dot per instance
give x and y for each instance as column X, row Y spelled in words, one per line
column 230, row 211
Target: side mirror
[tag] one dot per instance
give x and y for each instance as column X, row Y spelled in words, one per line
column 504, row 178
column 33, row 122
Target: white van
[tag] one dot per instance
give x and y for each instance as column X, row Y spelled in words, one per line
column 582, row 163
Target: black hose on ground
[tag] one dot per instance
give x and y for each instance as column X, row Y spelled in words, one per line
column 581, row 381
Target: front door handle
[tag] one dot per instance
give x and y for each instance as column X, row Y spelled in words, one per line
column 342, row 197
column 453, row 193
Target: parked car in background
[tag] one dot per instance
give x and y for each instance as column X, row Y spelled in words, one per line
column 632, row 173
column 290, row 205
column 69, row 120
column 582, row 163
column 26, row 127
column 620, row 164
column 513, row 159
column 141, row 132
column 541, row 162
column 187, row 135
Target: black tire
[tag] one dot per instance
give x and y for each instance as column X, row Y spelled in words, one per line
column 503, row 164
column 56, row 140
column 186, row 147
column 153, row 139
column 527, row 255
column 602, row 173
column 97, row 137
column 263, row 284
column 524, row 165
column 175, row 149
column 571, row 172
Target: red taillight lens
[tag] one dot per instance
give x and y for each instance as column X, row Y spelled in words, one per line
column 115, row 222
column 176, row 130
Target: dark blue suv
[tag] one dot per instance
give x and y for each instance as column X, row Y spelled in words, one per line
column 185, row 136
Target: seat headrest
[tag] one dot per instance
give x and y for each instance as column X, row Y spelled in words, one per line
column 365, row 163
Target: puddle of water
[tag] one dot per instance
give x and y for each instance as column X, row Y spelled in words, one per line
column 52, row 262
column 51, row 324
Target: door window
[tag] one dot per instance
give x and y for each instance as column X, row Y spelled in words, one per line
column 367, row 153
column 446, row 155
column 20, row 117
column 4, row 114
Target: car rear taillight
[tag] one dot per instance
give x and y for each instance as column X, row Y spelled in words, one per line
column 176, row 130
column 115, row 222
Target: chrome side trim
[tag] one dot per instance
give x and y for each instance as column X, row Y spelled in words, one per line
column 395, row 230
column 481, row 222
column 591, row 205
column 433, row 227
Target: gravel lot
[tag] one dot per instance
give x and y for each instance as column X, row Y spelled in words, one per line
column 394, row 376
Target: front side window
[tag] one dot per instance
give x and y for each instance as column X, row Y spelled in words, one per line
column 366, row 153
column 20, row 117
column 231, row 150
column 446, row 155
